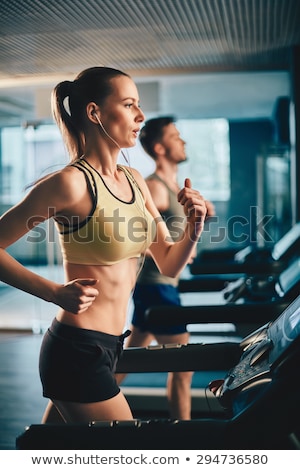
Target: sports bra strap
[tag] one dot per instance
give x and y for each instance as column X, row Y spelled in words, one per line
column 92, row 189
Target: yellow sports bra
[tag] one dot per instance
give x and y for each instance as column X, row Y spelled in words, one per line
column 114, row 230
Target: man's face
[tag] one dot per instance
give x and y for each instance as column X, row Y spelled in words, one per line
column 174, row 145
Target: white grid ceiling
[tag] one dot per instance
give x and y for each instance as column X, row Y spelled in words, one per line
column 65, row 36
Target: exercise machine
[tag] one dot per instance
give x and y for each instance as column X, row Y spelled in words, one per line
column 250, row 260
column 259, row 397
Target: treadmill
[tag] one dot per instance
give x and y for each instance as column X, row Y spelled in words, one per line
column 260, row 402
column 249, row 260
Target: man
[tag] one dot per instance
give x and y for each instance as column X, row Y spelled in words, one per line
column 162, row 141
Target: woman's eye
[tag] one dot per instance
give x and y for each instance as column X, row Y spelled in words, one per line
column 128, row 105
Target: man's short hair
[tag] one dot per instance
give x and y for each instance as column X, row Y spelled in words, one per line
column 152, row 132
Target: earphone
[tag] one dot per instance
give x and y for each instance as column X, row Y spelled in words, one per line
column 105, row 131
column 94, row 113
column 139, row 192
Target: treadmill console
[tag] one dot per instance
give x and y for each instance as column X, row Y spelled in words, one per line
column 263, row 351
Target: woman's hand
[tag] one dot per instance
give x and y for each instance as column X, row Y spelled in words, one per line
column 194, row 205
column 77, row 295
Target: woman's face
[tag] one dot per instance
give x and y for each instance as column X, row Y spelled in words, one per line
column 121, row 115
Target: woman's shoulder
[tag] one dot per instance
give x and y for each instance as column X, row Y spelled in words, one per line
column 63, row 183
column 68, row 173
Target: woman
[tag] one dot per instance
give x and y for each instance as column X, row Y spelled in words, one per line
column 106, row 220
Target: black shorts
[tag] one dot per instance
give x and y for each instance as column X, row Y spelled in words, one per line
column 148, row 295
column 78, row 365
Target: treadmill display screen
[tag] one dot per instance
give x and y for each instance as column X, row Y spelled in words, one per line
column 283, row 331
column 269, row 346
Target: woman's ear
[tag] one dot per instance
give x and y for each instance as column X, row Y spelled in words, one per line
column 93, row 112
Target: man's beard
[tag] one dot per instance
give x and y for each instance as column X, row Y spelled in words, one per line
column 183, row 161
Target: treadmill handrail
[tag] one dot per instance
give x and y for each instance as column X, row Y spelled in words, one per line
column 258, row 313
column 179, row 358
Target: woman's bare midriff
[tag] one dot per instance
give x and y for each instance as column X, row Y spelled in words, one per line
column 109, row 310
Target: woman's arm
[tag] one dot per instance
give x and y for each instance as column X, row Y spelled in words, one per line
column 172, row 257
column 46, row 199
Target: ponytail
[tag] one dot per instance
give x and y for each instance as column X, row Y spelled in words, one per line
column 65, row 122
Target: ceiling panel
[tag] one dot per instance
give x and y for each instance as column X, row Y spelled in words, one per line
column 65, row 36
column 42, row 41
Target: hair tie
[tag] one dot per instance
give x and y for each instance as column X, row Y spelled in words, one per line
column 69, row 89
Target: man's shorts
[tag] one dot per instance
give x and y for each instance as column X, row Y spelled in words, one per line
column 78, row 365
column 146, row 296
